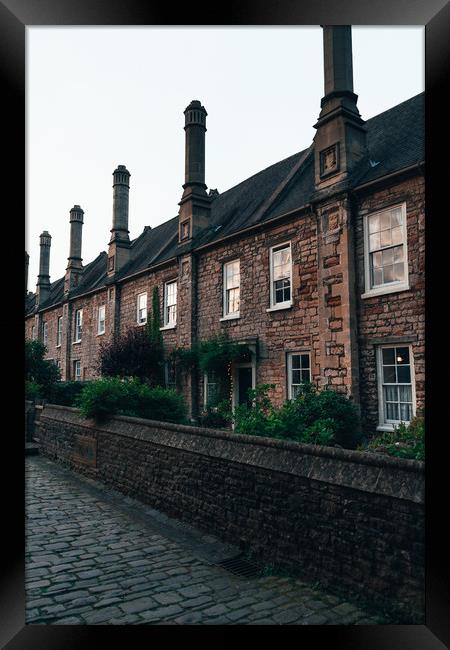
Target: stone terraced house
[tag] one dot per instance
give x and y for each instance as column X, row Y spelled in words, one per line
column 315, row 263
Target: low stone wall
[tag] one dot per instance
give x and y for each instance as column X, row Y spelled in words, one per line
column 350, row 520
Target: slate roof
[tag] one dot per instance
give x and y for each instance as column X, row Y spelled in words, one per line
column 395, row 140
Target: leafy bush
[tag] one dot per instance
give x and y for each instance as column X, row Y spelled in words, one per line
column 32, row 390
column 406, row 441
column 216, row 353
column 219, row 416
column 325, row 418
column 39, row 371
column 65, row 393
column 132, row 354
column 103, row 398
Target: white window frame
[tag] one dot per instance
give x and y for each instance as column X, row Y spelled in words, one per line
column 205, row 388
column 226, row 315
column 78, row 326
column 287, row 303
column 166, row 376
column 45, row 333
column 138, row 308
column 291, row 354
column 390, row 425
column 76, row 376
column 168, row 325
column 390, row 287
column 33, row 332
column 99, row 320
column 59, row 329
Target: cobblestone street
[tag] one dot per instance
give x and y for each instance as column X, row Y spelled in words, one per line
column 94, row 556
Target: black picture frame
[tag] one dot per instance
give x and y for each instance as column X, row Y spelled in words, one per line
column 15, row 15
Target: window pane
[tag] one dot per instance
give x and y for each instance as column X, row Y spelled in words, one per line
column 388, row 356
column 399, row 272
column 391, row 393
column 306, row 375
column 374, row 242
column 396, row 217
column 389, row 375
column 385, row 238
column 374, row 223
column 295, row 390
column 397, row 235
column 377, row 277
column 402, row 355
column 305, row 360
column 385, row 221
column 377, row 259
column 388, row 274
column 405, row 393
column 403, row 374
column 388, row 256
column 296, row 361
column 398, row 254
column 405, row 412
column 392, row 411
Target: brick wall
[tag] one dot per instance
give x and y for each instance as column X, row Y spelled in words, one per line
column 350, row 520
column 293, row 329
column 393, row 317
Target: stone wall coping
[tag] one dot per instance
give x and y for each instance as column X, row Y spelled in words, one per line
column 378, row 460
column 377, row 473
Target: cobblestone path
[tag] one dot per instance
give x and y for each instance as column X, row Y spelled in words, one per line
column 94, row 556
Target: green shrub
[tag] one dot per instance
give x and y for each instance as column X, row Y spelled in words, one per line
column 325, row 418
column 65, row 393
column 106, row 397
column 38, row 370
column 32, row 390
column 406, row 441
column 219, row 416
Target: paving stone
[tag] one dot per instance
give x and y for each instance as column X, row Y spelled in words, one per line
column 138, row 605
column 216, row 610
column 314, row 619
column 197, row 602
column 161, row 614
column 287, row 615
column 101, row 616
column 195, row 590
column 167, row 598
column 239, row 614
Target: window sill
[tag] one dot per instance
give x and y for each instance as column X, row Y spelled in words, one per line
column 230, row 317
column 140, row 324
column 381, row 291
column 283, row 305
column 389, row 427
column 172, row 326
column 100, row 333
column 58, row 346
column 76, row 342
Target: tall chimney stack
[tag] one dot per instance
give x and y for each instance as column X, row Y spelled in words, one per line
column 119, row 244
column 43, row 283
column 74, row 266
column 195, row 203
column 340, row 141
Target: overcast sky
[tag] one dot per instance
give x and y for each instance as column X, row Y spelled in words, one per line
column 98, row 97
